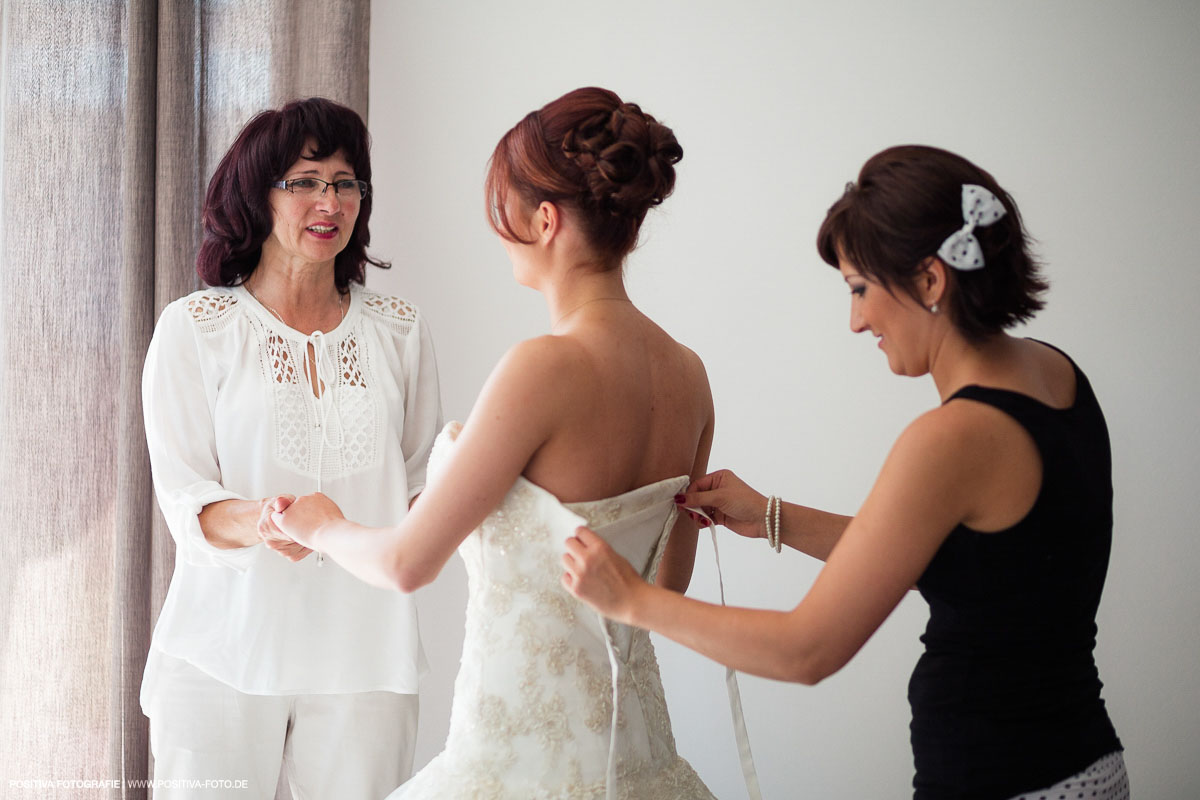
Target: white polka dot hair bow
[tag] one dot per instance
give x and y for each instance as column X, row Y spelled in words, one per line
column 980, row 208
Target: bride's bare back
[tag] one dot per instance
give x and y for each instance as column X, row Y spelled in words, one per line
column 634, row 407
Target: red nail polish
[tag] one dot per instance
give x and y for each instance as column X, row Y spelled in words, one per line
column 679, row 498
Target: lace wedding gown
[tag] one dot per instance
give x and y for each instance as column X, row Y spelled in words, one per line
column 533, row 711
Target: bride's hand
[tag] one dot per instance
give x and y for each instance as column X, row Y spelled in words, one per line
column 729, row 501
column 304, row 517
column 270, row 534
column 598, row 576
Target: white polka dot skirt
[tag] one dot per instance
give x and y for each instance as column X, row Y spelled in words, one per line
column 1103, row 780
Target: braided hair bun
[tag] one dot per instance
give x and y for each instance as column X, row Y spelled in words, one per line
column 606, row 160
column 626, row 157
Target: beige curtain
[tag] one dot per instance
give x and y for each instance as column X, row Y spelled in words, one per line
column 113, row 114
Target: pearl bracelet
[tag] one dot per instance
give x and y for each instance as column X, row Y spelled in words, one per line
column 774, row 532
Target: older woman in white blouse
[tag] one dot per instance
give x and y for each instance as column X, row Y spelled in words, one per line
column 285, row 377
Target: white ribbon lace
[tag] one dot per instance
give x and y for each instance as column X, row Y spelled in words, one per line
column 749, row 773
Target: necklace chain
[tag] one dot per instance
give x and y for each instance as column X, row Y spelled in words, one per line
column 279, row 316
column 558, row 321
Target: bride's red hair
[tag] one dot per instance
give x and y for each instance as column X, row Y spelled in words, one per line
column 605, row 160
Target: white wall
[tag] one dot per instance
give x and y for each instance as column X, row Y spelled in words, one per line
column 1087, row 112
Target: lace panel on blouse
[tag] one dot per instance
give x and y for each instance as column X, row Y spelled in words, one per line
column 393, row 310
column 350, row 426
column 212, row 310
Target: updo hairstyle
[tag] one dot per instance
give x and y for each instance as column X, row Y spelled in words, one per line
column 237, row 215
column 906, row 202
column 605, row 161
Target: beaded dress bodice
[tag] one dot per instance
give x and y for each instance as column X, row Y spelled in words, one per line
column 533, row 701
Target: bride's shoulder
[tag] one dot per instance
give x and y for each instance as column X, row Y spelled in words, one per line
column 689, row 371
column 545, row 362
column 542, row 354
column 692, row 361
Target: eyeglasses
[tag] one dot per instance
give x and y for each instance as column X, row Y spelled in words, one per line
column 307, row 187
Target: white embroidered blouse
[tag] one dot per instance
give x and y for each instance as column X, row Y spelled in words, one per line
column 230, row 414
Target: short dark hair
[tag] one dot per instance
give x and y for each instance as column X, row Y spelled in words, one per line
column 237, row 214
column 906, row 202
column 606, row 160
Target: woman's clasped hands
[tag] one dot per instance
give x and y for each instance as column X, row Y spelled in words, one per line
column 269, row 532
column 288, row 525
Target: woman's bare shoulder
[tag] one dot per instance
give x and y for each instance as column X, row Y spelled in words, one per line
column 960, row 444
column 959, row 427
column 546, row 362
column 547, row 353
column 698, row 375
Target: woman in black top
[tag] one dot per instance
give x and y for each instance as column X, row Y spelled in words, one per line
column 996, row 505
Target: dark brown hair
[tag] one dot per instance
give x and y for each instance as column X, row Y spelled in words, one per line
column 237, row 215
column 605, row 160
column 906, row 201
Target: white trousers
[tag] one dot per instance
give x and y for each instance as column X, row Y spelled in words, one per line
column 211, row 741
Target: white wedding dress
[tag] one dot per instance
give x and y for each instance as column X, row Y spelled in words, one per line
column 533, row 711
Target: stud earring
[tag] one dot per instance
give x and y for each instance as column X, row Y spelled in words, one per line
column 933, row 309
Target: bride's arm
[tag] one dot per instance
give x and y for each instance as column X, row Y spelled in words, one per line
column 679, row 557
column 515, row 414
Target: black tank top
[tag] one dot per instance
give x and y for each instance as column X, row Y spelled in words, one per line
column 1006, row 697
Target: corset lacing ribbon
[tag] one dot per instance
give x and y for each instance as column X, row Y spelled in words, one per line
column 749, row 773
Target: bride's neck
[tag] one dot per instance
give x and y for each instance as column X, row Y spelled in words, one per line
column 581, row 287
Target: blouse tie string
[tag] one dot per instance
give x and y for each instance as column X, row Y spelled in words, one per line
column 323, row 368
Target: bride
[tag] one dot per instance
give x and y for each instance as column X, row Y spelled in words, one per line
column 601, row 422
